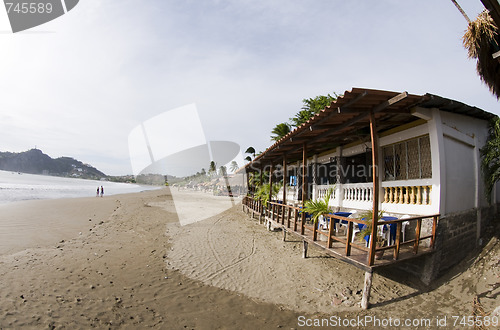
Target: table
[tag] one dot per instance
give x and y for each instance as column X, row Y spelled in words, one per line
column 341, row 214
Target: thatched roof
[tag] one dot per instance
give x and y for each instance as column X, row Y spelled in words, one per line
column 493, row 7
column 482, row 40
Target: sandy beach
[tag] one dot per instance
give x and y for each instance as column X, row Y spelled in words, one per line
column 125, row 261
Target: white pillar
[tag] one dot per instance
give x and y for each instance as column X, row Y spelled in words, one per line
column 438, row 195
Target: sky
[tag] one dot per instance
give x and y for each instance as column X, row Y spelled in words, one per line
column 79, row 85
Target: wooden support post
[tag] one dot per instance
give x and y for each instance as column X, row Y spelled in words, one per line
column 248, row 180
column 348, row 239
column 271, row 183
column 304, row 250
column 365, row 300
column 295, row 219
column 398, row 240
column 330, row 232
column 261, row 175
column 302, row 222
column 315, row 231
column 304, row 187
column 284, row 235
column 376, row 193
column 434, row 228
column 417, row 236
column 284, row 179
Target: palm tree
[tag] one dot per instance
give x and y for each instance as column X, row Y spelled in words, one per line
column 280, row 131
column 320, row 102
column 212, row 169
column 264, row 191
column 223, row 171
column 311, row 107
column 233, row 166
column 319, row 207
column 251, row 151
column 490, row 157
column 301, row 117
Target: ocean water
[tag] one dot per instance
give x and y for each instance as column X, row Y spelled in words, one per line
column 19, row 186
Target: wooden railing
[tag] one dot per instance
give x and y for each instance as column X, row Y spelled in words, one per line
column 291, row 217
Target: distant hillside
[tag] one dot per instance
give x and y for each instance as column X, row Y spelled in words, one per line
column 34, row 161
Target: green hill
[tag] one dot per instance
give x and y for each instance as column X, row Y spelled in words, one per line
column 34, row 161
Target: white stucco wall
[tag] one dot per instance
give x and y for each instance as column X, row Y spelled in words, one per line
column 463, row 137
column 460, row 176
column 457, row 182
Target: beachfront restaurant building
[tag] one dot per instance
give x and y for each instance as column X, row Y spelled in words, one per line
column 414, row 159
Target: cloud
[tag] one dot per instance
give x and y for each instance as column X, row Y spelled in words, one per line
column 106, row 67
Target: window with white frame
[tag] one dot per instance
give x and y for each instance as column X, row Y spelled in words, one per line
column 407, row 160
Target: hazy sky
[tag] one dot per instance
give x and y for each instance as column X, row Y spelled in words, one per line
column 77, row 86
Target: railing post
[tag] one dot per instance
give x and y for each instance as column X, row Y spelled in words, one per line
column 295, row 219
column 398, row 240
column 348, row 239
column 417, row 236
column 434, row 229
column 302, row 222
column 315, row 231
column 330, row 232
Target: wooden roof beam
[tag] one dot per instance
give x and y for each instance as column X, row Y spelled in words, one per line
column 362, row 116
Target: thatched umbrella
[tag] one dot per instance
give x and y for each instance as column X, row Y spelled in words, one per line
column 481, row 41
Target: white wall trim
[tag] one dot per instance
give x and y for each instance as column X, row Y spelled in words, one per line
column 438, row 161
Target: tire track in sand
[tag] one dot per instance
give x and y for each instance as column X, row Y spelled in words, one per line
column 224, row 268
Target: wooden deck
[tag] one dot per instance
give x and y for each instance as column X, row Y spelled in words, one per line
column 340, row 244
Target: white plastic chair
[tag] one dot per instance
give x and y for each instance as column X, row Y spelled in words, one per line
column 322, row 222
column 404, row 224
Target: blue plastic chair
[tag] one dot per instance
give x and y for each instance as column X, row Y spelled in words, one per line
column 392, row 227
column 367, row 237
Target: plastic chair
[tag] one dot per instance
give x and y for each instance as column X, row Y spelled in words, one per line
column 342, row 222
column 404, row 224
column 322, row 222
column 360, row 228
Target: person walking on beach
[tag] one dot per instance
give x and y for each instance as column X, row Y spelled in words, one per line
column 97, row 194
column 102, row 191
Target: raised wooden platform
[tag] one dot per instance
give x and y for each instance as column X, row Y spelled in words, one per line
column 357, row 257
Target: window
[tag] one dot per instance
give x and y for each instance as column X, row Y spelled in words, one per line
column 407, row 160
